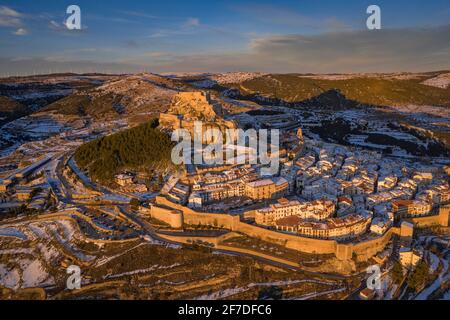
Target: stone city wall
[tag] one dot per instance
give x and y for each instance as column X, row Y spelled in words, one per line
column 363, row 250
column 441, row 219
column 174, row 218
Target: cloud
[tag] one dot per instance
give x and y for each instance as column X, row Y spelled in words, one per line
column 62, row 29
column 333, row 24
column 139, row 14
column 274, row 15
column 189, row 27
column 386, row 50
column 277, row 15
column 52, row 24
column 6, row 11
column 131, row 44
column 10, row 17
column 158, row 55
column 192, row 23
column 109, row 19
column 21, row 32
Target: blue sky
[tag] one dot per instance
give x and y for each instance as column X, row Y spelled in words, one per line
column 200, row 36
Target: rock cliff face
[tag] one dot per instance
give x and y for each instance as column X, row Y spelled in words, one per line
column 195, row 106
column 188, row 107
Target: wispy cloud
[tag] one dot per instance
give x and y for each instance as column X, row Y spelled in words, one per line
column 139, row 14
column 53, row 25
column 281, row 16
column 386, row 49
column 188, row 27
column 62, row 28
column 21, row 32
column 411, row 49
column 10, row 17
column 111, row 19
column 333, row 47
column 131, row 44
column 192, row 22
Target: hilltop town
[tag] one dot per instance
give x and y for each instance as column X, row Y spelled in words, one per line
column 354, row 188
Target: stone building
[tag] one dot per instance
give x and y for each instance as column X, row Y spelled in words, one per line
column 24, row 193
column 410, row 208
column 267, row 188
column 317, row 210
column 409, row 258
column 124, row 179
column 347, row 227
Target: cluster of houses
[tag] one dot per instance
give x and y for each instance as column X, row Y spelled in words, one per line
column 15, row 190
column 131, row 183
column 334, row 192
column 210, row 184
column 342, row 228
column 367, row 193
column 260, row 189
column 316, row 210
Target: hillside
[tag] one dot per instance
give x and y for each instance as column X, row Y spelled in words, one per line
column 10, row 109
column 142, row 146
column 128, row 95
column 440, row 81
column 21, row 96
column 9, row 106
column 372, row 90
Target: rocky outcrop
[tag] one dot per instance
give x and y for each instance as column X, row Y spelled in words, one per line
column 195, row 106
column 189, row 107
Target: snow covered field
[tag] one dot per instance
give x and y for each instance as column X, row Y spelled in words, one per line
column 441, row 81
column 29, row 260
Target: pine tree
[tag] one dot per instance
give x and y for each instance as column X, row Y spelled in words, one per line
column 419, row 276
column 397, row 272
column 143, row 146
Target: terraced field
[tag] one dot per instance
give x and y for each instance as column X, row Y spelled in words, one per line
column 36, row 252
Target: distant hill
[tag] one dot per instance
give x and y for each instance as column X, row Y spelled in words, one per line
column 140, row 147
column 372, row 90
column 10, row 106
column 10, row 109
column 127, row 95
column 33, row 93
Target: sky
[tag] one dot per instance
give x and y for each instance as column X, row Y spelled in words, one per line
column 302, row 36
